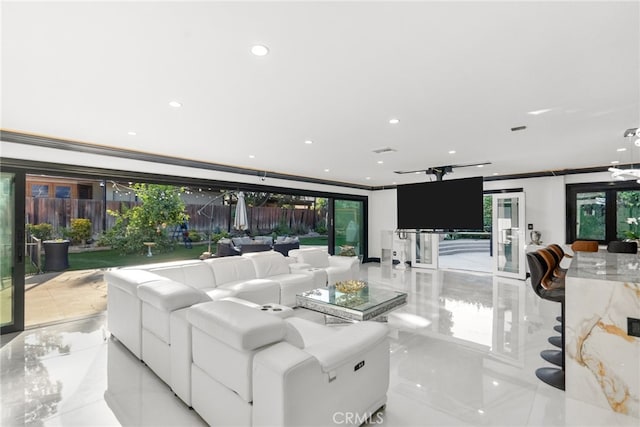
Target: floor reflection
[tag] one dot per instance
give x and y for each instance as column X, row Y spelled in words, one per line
column 463, row 352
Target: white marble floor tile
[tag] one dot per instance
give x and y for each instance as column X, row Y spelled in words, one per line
column 464, row 351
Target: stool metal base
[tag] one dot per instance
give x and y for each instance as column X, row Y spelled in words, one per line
column 558, row 328
column 552, row 356
column 557, row 341
column 552, row 376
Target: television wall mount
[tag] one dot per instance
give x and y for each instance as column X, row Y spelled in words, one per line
column 441, row 171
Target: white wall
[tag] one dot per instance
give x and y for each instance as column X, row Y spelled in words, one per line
column 545, row 202
column 382, row 216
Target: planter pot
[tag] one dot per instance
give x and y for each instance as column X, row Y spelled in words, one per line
column 56, row 255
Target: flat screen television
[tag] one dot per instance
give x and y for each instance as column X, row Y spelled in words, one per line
column 455, row 204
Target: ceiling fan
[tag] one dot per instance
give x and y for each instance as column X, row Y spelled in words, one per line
column 441, row 171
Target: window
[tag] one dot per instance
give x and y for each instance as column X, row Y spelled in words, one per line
column 85, row 192
column 39, row 190
column 63, row 192
column 599, row 211
column 591, row 215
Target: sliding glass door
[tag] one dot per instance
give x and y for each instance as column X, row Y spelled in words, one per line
column 509, row 235
column 11, row 251
column 348, row 227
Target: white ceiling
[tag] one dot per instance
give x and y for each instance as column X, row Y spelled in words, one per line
column 458, row 75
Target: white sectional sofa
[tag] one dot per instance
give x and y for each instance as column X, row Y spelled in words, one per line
column 216, row 333
column 145, row 307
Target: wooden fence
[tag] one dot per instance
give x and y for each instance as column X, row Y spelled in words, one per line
column 60, row 212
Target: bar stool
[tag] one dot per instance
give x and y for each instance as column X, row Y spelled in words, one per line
column 584, row 246
column 541, row 270
column 560, row 255
column 618, row 247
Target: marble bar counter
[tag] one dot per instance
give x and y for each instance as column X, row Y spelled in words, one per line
column 602, row 362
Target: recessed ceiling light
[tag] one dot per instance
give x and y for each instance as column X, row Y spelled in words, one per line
column 175, row 104
column 326, row 170
column 308, row 142
column 394, row 183
column 496, row 173
column 417, row 172
column 131, row 133
column 480, row 166
column 380, row 162
column 394, row 121
column 452, row 151
column 621, row 149
column 615, row 162
column 367, row 178
column 259, row 50
column 538, row 112
column 251, row 156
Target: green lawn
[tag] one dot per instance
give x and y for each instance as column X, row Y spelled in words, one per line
column 316, row 241
column 110, row 258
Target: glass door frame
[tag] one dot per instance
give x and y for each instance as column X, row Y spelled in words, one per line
column 362, row 230
column 521, row 230
column 433, row 240
column 18, row 252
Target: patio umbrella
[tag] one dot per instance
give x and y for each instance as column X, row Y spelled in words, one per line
column 240, row 222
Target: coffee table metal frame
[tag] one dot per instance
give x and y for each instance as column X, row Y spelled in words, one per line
column 376, row 303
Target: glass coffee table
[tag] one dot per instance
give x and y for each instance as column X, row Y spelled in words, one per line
column 365, row 304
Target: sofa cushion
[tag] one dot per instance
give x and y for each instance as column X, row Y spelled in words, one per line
column 239, row 326
column 239, row 241
column 315, row 257
column 231, row 269
column 199, row 275
column 268, row 264
column 259, row 291
column 215, row 294
column 266, row 240
column 174, row 272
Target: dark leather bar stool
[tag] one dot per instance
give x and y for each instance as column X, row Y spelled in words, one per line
column 557, row 249
column 545, row 288
column 584, row 246
column 622, row 247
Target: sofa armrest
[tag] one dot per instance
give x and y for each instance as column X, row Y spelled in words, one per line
column 343, row 346
column 168, row 295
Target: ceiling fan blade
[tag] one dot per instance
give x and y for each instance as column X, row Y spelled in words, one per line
column 416, row 171
column 470, row 164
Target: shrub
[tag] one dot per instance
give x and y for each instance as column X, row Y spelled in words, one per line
column 42, row 231
column 195, row 236
column 321, row 227
column 161, row 210
column 80, row 230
